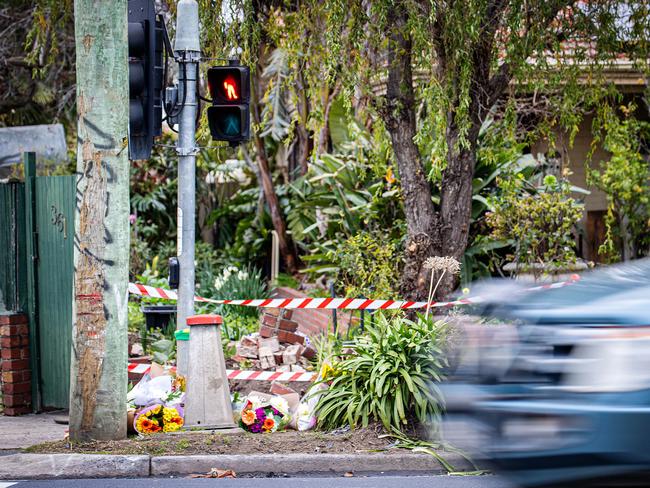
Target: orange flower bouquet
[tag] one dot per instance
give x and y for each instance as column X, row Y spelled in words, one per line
column 158, row 418
column 257, row 416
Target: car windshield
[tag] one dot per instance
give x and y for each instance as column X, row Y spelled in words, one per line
column 614, row 294
column 595, row 285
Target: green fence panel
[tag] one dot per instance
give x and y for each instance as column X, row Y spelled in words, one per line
column 12, row 249
column 55, row 196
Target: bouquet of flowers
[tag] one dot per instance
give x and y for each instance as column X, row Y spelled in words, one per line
column 158, row 418
column 259, row 415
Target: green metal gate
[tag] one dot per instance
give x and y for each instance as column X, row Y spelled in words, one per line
column 54, row 218
column 13, row 283
column 36, row 274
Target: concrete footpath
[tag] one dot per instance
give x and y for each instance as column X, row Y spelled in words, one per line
column 27, row 430
column 39, row 466
column 17, row 433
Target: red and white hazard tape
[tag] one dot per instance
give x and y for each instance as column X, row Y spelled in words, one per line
column 329, row 303
column 236, row 374
column 138, row 368
column 240, row 375
column 560, row 284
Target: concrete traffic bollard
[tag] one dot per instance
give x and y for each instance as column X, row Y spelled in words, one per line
column 207, row 399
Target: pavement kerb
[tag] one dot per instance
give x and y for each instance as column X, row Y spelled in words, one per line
column 39, row 466
column 329, row 464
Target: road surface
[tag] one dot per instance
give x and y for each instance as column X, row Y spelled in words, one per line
column 354, row 482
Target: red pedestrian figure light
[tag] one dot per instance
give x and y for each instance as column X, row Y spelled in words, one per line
column 230, row 88
column 229, row 115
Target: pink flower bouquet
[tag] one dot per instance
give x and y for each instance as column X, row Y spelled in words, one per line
column 258, row 416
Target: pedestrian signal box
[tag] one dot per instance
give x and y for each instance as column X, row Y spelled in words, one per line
column 229, row 115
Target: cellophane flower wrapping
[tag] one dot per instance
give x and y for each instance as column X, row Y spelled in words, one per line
column 260, row 416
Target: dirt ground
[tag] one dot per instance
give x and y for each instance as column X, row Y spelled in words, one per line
column 188, row 443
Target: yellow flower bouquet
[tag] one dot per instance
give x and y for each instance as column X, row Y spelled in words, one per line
column 158, row 418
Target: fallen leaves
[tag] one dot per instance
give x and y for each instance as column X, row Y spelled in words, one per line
column 216, row 473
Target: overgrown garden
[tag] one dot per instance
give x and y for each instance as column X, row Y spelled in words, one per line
column 385, row 133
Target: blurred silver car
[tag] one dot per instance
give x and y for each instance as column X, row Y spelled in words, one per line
column 566, row 397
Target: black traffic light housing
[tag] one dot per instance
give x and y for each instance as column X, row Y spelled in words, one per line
column 146, row 34
column 229, row 115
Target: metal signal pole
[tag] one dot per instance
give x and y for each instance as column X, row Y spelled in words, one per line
column 188, row 52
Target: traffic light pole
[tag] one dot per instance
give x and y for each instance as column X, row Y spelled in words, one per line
column 187, row 51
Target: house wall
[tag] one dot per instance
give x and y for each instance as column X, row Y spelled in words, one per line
column 575, row 158
column 591, row 232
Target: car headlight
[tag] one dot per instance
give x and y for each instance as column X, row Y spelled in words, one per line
column 613, row 359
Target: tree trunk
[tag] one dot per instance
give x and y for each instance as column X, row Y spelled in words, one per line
column 304, row 141
column 286, row 245
column 446, row 232
column 324, row 136
column 101, row 253
column 399, row 113
column 456, row 199
column 300, row 151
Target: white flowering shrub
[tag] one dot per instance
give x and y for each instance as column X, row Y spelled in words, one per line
column 232, row 283
column 227, row 273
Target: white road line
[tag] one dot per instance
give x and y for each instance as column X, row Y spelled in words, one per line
column 4, row 484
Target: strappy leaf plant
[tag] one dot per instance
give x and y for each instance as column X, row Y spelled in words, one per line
column 388, row 375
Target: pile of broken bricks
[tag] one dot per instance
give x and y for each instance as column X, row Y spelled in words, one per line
column 278, row 345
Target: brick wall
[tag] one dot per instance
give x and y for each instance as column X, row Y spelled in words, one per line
column 315, row 322
column 16, row 385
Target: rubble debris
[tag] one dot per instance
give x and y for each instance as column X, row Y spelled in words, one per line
column 278, row 356
column 270, row 342
column 278, row 344
column 266, row 331
column 290, row 337
column 278, row 388
column 267, row 359
column 137, row 350
column 288, row 325
column 291, row 354
column 248, row 347
column 309, row 352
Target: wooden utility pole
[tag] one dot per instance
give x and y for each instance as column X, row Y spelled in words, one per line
column 99, row 347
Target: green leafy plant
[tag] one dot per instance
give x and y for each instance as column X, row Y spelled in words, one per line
column 285, row 280
column 389, row 376
column 232, row 283
column 498, row 155
column 135, row 315
column 160, row 343
column 235, row 326
column 228, row 350
column 153, row 203
column 625, row 179
column 328, row 347
column 164, row 350
column 351, row 191
column 538, row 222
column 368, row 265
